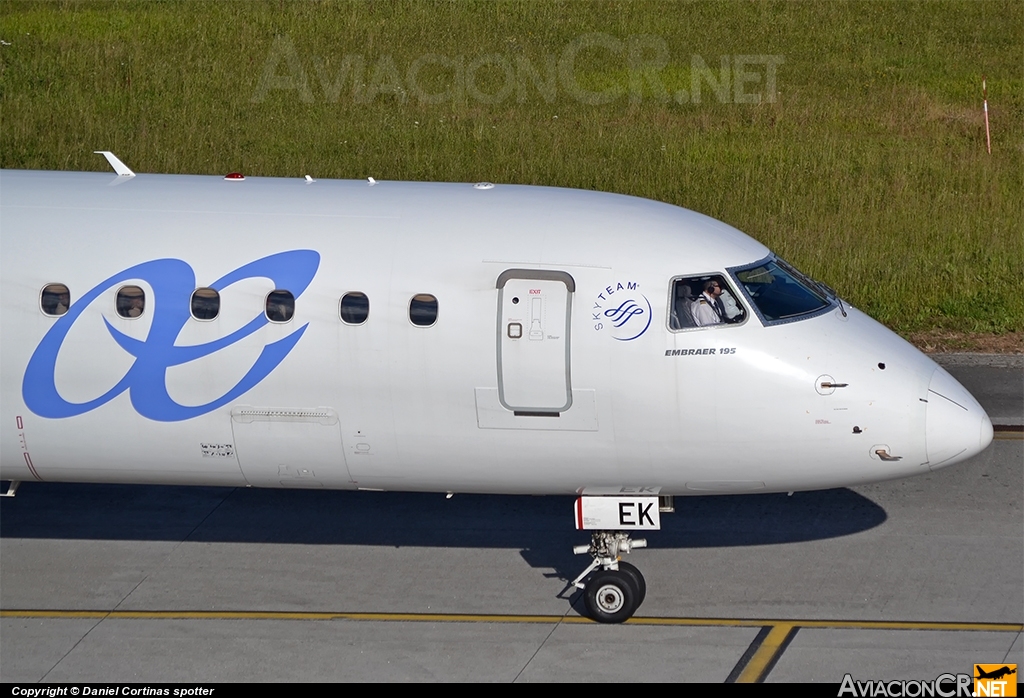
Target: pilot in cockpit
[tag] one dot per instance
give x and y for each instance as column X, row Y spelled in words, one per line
column 708, row 308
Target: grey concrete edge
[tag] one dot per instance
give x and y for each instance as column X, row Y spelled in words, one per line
column 994, row 360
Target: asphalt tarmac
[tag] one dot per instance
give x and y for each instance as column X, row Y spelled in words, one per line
column 900, row 580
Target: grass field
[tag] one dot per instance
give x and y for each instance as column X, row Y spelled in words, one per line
column 865, row 165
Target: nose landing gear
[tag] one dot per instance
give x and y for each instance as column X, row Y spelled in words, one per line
column 612, row 590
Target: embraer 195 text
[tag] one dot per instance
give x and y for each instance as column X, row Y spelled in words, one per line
column 444, row 338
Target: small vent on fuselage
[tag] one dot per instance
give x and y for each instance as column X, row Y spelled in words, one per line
column 319, row 415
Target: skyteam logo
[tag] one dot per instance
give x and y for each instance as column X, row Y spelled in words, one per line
column 173, row 282
column 622, row 310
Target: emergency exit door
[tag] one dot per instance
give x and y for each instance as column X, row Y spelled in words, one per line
column 534, row 317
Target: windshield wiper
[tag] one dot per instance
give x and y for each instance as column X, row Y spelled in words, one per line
column 824, row 288
column 829, row 291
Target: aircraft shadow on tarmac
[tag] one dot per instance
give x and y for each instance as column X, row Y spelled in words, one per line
column 540, row 527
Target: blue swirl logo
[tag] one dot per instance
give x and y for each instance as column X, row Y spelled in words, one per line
column 629, row 320
column 623, row 310
column 173, row 282
column 621, row 315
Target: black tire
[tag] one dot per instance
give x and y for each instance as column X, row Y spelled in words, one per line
column 638, row 581
column 610, row 596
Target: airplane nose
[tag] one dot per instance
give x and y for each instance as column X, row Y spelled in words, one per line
column 957, row 426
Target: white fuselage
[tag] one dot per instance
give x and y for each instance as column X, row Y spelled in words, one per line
column 523, row 383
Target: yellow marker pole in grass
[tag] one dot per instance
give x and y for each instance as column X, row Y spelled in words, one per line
column 984, row 97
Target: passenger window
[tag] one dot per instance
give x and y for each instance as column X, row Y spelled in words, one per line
column 280, row 306
column 131, row 302
column 55, row 300
column 423, row 310
column 355, row 308
column 702, row 301
column 205, row 304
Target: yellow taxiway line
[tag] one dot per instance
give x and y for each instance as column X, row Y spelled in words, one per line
column 754, row 666
column 766, row 649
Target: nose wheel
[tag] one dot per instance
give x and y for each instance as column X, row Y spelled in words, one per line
column 610, row 596
column 612, row 590
column 638, row 580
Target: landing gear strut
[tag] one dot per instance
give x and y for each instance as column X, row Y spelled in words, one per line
column 612, row 590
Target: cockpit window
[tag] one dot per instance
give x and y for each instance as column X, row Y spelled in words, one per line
column 780, row 292
column 703, row 301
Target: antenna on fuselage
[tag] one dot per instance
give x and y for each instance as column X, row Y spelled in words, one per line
column 119, row 167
